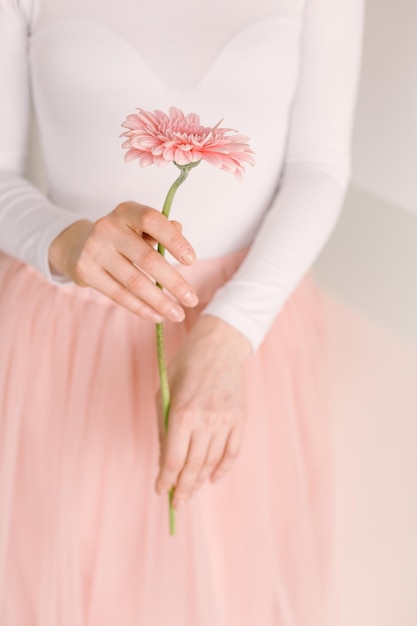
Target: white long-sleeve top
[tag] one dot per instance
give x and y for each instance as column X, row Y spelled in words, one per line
column 283, row 72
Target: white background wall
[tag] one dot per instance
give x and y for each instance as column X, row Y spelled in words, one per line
column 385, row 140
column 370, row 264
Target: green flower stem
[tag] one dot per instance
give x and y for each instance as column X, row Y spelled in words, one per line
column 163, row 374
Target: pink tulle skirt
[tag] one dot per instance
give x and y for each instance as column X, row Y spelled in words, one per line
column 84, row 538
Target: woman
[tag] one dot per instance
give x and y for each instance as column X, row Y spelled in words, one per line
column 83, row 535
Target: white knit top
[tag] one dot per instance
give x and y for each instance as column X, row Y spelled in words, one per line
column 283, row 72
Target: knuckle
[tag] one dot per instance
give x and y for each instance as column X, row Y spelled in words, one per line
column 172, row 464
column 184, row 486
column 122, row 298
column 150, row 219
column 118, row 295
column 209, row 467
column 209, row 418
column 141, row 310
column 164, row 306
column 181, row 494
column 90, row 255
column 224, row 466
column 226, row 419
column 219, row 474
column 232, row 453
column 102, row 226
column 121, row 208
column 176, row 242
column 184, row 416
column 80, row 269
column 134, row 281
column 202, row 477
column 149, row 260
column 193, row 465
column 177, row 225
column 179, row 286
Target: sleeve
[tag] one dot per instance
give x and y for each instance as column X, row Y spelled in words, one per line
column 315, row 174
column 28, row 220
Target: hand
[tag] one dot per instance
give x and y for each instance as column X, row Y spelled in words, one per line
column 207, row 414
column 115, row 256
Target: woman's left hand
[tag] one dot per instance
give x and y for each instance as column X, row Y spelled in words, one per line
column 208, row 413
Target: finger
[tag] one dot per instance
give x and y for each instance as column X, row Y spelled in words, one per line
column 231, row 452
column 193, row 464
column 175, row 449
column 152, row 242
column 108, row 286
column 148, row 220
column 152, row 263
column 149, row 240
column 177, row 225
column 138, row 284
column 213, row 458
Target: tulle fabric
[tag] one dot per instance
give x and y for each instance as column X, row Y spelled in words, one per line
column 84, row 538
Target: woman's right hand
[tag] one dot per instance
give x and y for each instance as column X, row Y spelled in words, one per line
column 115, row 255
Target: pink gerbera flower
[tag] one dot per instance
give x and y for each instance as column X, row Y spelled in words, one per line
column 153, row 137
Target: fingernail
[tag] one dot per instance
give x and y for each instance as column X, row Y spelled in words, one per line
column 157, row 318
column 190, row 298
column 188, row 256
column 176, row 315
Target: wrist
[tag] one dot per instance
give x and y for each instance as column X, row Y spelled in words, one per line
column 65, row 248
column 225, row 334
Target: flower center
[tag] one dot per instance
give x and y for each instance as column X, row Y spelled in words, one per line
column 183, row 128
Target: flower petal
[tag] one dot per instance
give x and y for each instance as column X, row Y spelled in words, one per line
column 161, row 138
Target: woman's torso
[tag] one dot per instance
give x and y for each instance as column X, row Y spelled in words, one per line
column 91, row 63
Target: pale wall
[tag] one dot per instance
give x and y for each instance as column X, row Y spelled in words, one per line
column 385, row 139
